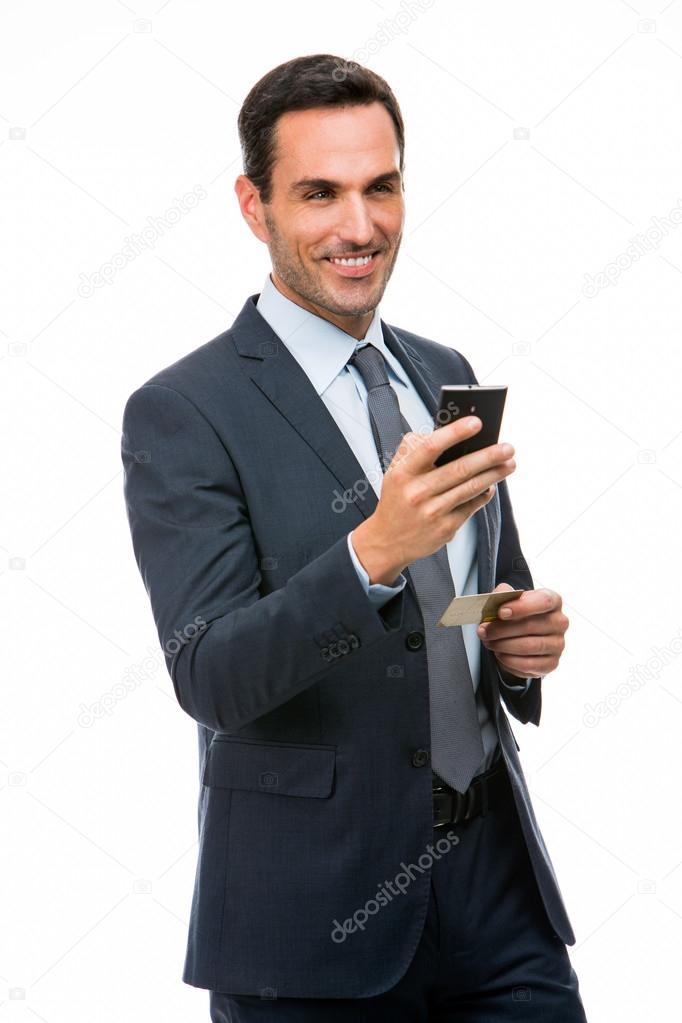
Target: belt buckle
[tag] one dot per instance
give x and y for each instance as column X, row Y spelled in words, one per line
column 470, row 802
column 437, row 791
column 459, row 799
column 464, row 801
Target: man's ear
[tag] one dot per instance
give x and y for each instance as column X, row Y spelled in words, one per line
column 251, row 206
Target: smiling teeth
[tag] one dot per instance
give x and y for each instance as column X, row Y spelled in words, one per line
column 361, row 261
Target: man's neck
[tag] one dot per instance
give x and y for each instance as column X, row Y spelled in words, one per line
column 356, row 326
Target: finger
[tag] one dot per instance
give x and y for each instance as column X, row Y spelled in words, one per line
column 529, row 667
column 539, row 625
column 446, row 493
column 531, row 602
column 529, row 646
column 418, row 452
column 468, row 508
column 475, row 470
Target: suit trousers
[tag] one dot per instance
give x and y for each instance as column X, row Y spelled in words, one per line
column 487, row 950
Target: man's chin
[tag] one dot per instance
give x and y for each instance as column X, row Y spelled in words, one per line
column 341, row 303
column 338, row 309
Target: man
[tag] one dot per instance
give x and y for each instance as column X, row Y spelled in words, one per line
column 367, row 845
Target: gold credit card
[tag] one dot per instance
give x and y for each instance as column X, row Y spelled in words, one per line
column 479, row 607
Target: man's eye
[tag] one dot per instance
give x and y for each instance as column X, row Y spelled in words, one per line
column 325, row 191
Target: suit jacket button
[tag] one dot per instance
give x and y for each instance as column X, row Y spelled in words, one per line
column 334, row 649
column 325, row 653
column 420, row 757
column 414, row 640
column 344, row 646
column 353, row 640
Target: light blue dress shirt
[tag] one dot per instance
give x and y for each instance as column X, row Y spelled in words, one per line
column 322, row 350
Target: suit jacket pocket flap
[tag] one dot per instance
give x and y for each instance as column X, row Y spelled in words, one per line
column 284, row 769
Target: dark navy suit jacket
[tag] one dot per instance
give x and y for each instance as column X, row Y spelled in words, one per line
column 312, row 706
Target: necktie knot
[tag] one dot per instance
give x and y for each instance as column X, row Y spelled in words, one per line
column 371, row 365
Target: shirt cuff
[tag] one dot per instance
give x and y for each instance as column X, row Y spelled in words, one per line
column 378, row 593
column 521, row 687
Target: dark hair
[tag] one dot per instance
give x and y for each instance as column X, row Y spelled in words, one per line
column 317, row 80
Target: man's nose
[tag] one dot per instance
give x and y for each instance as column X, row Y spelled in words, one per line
column 355, row 223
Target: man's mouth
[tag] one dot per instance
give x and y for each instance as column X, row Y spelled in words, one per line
column 353, row 266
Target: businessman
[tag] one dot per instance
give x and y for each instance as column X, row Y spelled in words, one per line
column 368, row 850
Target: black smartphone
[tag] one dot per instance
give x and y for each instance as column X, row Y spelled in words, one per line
column 462, row 400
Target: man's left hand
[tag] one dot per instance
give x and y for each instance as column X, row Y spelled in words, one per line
column 530, row 640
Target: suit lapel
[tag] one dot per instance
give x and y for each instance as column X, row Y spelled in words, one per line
column 275, row 371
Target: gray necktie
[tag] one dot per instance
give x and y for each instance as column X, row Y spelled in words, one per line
column 456, row 747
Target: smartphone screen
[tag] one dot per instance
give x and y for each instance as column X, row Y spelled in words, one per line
column 462, row 400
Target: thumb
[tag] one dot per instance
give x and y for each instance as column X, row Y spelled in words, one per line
column 502, row 586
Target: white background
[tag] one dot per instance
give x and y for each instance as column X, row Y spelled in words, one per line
column 540, row 139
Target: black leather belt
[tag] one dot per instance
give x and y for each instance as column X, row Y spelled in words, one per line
column 453, row 807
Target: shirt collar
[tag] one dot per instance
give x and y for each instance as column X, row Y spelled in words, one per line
column 321, row 348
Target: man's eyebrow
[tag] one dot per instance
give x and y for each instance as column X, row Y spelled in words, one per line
column 318, row 183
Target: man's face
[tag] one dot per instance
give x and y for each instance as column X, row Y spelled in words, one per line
column 337, row 192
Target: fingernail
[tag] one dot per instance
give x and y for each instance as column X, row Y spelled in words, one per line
column 505, row 612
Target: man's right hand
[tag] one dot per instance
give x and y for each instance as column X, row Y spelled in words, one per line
column 421, row 505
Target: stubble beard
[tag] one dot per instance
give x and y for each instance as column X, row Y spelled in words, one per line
column 312, row 288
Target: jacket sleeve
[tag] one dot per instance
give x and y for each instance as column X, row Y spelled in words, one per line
column 511, row 567
column 233, row 654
